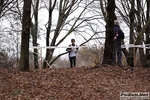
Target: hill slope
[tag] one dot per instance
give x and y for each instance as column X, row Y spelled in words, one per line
column 103, row 83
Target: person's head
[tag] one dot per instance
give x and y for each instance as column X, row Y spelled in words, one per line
column 116, row 22
column 73, row 41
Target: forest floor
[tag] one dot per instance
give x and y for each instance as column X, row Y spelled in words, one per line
column 102, row 83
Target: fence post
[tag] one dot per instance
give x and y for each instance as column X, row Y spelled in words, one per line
column 41, row 64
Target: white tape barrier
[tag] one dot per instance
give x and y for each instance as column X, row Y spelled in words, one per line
column 146, row 46
column 135, row 46
column 54, row 47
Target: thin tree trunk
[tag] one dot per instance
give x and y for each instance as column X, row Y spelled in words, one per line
column 139, row 27
column 34, row 42
column 140, row 36
column 36, row 35
column 130, row 56
column 147, row 58
column 148, row 28
column 49, row 52
column 109, row 43
column 1, row 6
column 24, row 56
column 102, row 9
column 139, row 39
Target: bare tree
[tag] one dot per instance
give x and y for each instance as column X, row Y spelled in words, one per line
column 134, row 14
column 66, row 23
column 109, row 43
column 147, row 33
column 10, row 28
column 24, row 56
column 48, row 51
column 6, row 6
column 130, row 55
column 103, row 4
column 1, row 6
column 34, row 31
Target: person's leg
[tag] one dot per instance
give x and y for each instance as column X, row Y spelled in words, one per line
column 119, row 55
column 74, row 61
column 71, row 60
column 114, row 54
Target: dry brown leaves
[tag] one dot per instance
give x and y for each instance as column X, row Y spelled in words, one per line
column 103, row 83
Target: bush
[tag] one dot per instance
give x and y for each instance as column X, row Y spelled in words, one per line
column 6, row 60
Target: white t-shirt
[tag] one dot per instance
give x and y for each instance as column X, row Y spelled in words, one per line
column 73, row 51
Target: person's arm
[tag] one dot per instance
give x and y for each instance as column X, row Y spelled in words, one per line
column 77, row 49
column 68, row 49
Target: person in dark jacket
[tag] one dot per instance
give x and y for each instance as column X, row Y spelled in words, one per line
column 72, row 53
column 118, row 37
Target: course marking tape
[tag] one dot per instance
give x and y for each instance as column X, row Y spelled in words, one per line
column 145, row 46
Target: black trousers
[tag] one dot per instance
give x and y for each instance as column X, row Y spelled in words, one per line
column 117, row 51
column 72, row 61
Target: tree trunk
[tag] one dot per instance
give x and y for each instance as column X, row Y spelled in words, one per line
column 130, row 56
column 49, row 52
column 24, row 55
column 1, row 6
column 102, row 9
column 140, row 36
column 139, row 27
column 141, row 31
column 148, row 28
column 109, row 43
column 147, row 56
column 34, row 42
column 147, row 36
column 35, row 34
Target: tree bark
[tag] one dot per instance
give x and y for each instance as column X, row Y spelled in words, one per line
column 139, row 39
column 35, row 34
column 139, row 27
column 148, row 28
column 24, row 55
column 49, row 52
column 1, row 6
column 109, row 43
column 130, row 56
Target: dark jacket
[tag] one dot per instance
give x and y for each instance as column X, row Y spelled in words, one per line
column 120, row 33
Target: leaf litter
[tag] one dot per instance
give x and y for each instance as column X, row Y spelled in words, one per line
column 81, row 83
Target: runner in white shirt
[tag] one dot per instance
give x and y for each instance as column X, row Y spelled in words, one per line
column 72, row 53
